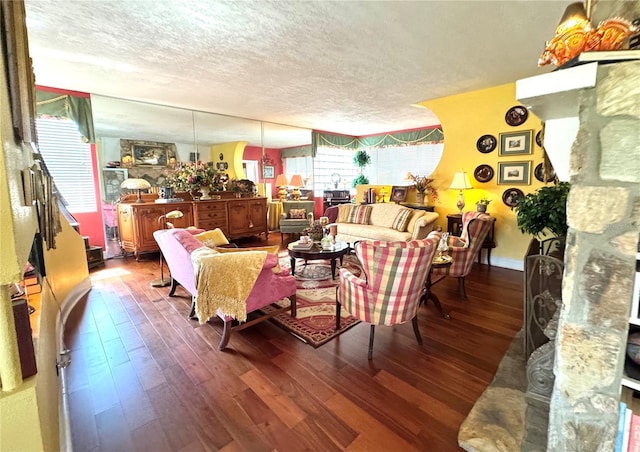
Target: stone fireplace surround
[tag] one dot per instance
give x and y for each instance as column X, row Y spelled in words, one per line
column 604, row 223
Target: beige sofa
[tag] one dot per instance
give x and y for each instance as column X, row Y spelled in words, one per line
column 385, row 221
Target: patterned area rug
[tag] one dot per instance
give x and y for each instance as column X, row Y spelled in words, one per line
column 315, row 322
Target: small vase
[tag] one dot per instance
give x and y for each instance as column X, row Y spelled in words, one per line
column 481, row 208
column 205, row 192
column 420, row 198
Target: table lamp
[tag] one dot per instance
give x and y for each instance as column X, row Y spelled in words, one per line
column 281, row 182
column 136, row 184
column 296, row 183
column 460, row 182
column 165, row 225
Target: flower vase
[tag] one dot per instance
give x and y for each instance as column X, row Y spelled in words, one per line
column 205, row 193
column 420, row 198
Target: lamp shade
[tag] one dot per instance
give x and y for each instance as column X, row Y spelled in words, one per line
column 135, row 184
column 174, row 214
column 574, row 14
column 460, row 181
column 281, row 180
column 296, row 181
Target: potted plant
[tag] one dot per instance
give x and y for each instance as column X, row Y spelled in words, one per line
column 482, row 203
column 361, row 159
column 544, row 211
column 423, row 186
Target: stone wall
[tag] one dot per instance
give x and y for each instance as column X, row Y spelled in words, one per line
column 603, row 213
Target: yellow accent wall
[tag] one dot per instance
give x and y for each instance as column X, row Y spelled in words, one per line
column 231, row 153
column 465, row 118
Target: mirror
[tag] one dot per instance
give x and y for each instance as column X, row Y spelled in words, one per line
column 240, row 143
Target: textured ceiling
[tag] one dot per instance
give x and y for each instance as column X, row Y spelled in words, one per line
column 347, row 67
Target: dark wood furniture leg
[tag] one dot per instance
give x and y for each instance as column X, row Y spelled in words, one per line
column 416, row 330
column 427, row 294
column 293, row 266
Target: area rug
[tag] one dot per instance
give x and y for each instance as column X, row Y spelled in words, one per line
column 315, row 323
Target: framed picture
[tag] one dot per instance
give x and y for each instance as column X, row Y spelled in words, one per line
column 515, row 143
column 111, row 180
column 150, row 154
column 514, row 173
column 268, row 172
column 398, row 194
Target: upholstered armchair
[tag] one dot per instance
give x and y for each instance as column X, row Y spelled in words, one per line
column 464, row 249
column 230, row 285
column 395, row 276
column 296, row 216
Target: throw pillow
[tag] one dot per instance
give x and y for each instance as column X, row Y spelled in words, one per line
column 359, row 215
column 271, row 249
column 415, row 216
column 212, row 238
column 299, row 214
column 343, row 212
column 402, row 220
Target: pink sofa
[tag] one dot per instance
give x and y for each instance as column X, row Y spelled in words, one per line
column 178, row 244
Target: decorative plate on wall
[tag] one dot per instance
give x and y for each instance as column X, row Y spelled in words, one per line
column 483, row 173
column 538, row 173
column 516, row 115
column 511, row 196
column 539, row 138
column 486, row 143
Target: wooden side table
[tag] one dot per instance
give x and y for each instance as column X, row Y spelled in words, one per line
column 454, row 227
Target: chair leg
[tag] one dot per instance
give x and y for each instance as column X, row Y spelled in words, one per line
column 226, row 335
column 294, row 306
column 174, row 286
column 192, row 313
column 338, row 308
column 463, row 294
column 371, row 334
column 416, row 330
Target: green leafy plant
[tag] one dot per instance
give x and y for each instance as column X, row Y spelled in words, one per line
column 485, row 201
column 544, row 210
column 361, row 159
column 361, row 179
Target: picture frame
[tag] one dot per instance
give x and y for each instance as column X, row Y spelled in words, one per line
column 111, row 180
column 515, row 143
column 150, row 154
column 398, row 193
column 268, row 172
column 514, row 173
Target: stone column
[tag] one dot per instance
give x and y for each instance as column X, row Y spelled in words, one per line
column 603, row 213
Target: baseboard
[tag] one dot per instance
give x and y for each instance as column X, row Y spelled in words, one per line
column 512, row 264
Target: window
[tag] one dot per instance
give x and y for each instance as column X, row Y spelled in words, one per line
column 330, row 161
column 68, row 159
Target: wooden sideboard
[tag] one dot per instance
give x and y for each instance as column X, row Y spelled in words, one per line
column 236, row 217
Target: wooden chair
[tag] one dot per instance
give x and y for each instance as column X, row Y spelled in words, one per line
column 395, row 275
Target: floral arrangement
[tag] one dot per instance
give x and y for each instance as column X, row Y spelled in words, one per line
column 192, row 176
column 422, row 185
column 316, row 231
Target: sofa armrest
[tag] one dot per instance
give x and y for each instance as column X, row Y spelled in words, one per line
column 424, row 225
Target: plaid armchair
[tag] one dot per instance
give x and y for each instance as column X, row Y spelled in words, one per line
column 464, row 249
column 395, row 275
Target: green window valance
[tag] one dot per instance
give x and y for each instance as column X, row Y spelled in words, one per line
column 409, row 138
column 296, row 151
column 76, row 108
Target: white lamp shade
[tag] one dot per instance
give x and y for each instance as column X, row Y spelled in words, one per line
column 174, row 214
column 135, row 184
column 460, row 181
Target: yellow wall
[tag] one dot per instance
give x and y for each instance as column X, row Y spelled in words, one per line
column 465, row 118
column 231, row 153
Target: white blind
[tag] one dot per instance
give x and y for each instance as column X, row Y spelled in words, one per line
column 68, row 160
column 391, row 165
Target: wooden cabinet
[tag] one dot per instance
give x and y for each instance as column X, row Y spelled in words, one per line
column 247, row 216
column 137, row 223
column 239, row 217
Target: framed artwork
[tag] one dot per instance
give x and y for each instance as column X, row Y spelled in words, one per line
column 398, row 194
column 514, row 173
column 512, row 196
column 486, row 143
column 150, row 154
column 516, row 115
column 111, row 180
column 483, row 173
column 515, row 143
column 268, row 172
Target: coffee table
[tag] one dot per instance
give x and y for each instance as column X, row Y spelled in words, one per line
column 317, row 253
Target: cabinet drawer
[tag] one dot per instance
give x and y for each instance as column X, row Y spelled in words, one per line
column 211, row 207
column 211, row 215
column 212, row 224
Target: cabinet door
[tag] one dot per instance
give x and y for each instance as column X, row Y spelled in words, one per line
column 185, row 221
column 258, row 215
column 126, row 227
column 238, row 217
column 147, row 223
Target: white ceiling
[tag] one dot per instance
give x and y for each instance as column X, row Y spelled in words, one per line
column 352, row 67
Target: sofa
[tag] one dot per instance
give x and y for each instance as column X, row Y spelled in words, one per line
column 383, row 221
column 250, row 278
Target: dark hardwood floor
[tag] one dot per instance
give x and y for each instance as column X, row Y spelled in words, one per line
column 144, row 377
